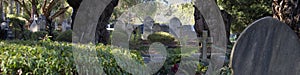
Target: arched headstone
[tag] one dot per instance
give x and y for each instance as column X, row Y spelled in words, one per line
column 266, row 47
column 148, row 23
column 175, row 27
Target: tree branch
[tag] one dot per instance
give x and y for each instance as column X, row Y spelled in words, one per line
column 22, row 4
column 49, row 7
column 44, row 6
column 60, row 12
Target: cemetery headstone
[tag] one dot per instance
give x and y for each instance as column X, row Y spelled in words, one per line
column 34, row 27
column 188, row 34
column 147, row 30
column 65, row 26
column 266, row 47
column 175, row 26
column 3, row 25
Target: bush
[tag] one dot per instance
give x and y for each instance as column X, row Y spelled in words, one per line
column 162, row 37
column 65, row 36
column 52, row 58
column 28, row 35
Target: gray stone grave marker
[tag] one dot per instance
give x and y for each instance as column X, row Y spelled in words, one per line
column 266, row 47
column 34, row 27
column 148, row 23
column 175, row 27
column 65, row 26
column 187, row 33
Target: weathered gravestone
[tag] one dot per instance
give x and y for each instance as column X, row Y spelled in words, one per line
column 175, row 27
column 147, row 30
column 187, row 34
column 65, row 26
column 34, row 27
column 266, row 47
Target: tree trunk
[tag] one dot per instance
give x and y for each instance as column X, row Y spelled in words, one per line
column 201, row 25
column 17, row 8
column 102, row 34
column 1, row 11
column 1, row 20
column 11, row 7
column 33, row 10
column 288, row 11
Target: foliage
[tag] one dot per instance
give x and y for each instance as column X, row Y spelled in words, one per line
column 65, row 36
column 162, row 37
column 245, row 12
column 39, row 35
column 28, row 35
column 16, row 20
column 47, row 57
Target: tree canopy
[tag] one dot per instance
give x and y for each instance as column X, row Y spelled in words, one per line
column 245, row 12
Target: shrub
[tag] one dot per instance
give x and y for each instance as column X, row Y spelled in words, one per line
column 28, row 35
column 162, row 37
column 65, row 36
column 52, row 58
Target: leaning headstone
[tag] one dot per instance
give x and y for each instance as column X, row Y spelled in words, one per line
column 175, row 26
column 266, row 47
column 147, row 30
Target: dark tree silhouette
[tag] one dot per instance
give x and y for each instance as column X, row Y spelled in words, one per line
column 101, row 35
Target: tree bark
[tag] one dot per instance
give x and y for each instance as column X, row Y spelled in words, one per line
column 201, row 25
column 11, row 7
column 33, row 10
column 17, row 8
column 1, row 11
column 288, row 11
column 102, row 34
